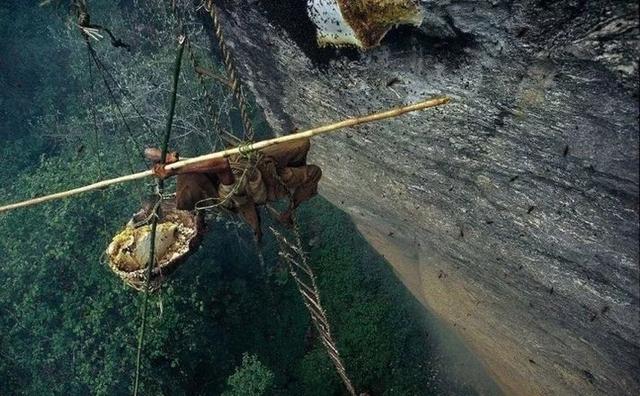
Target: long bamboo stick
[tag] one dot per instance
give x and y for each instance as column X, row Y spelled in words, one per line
column 349, row 122
column 154, row 220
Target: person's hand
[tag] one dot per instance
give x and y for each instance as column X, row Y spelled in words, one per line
column 160, row 171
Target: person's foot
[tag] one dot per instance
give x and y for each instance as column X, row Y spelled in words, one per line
column 285, row 219
column 258, row 237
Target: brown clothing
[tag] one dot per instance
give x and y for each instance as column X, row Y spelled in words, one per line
column 192, row 188
column 283, row 173
column 284, row 170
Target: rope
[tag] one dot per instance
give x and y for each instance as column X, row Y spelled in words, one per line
column 112, row 96
column 232, row 75
column 145, row 299
column 125, row 94
column 318, row 316
column 93, row 56
column 96, row 138
column 310, row 294
column 294, row 255
column 81, row 11
column 82, row 14
column 218, row 130
column 206, row 94
column 156, row 210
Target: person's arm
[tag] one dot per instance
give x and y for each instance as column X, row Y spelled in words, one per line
column 219, row 166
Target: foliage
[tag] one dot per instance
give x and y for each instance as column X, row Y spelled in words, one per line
column 251, row 379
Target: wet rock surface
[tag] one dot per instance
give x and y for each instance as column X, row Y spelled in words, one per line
column 517, row 202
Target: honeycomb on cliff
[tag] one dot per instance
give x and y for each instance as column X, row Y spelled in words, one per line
column 360, row 23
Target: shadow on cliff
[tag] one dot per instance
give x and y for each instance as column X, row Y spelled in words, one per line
column 291, row 16
column 361, row 288
column 448, row 49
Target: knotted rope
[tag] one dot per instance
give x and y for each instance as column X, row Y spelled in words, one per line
column 227, row 60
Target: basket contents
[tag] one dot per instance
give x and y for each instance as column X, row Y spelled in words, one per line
column 177, row 235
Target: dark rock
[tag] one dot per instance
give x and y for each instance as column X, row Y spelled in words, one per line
column 544, row 115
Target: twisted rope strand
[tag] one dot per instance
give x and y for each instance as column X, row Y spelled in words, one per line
column 232, row 75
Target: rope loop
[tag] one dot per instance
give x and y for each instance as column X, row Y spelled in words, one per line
column 246, row 150
column 242, row 166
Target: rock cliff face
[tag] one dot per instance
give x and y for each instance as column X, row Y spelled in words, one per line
column 512, row 212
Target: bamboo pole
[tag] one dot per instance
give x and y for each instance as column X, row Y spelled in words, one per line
column 156, row 212
column 309, row 133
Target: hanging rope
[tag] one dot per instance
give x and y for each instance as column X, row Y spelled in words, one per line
column 114, row 100
column 232, row 74
column 156, row 214
column 248, row 132
column 96, row 139
column 301, row 272
column 126, row 95
column 310, row 294
column 83, row 15
column 309, row 290
column 198, row 70
column 88, row 31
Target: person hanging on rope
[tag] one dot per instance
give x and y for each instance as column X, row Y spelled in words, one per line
column 244, row 182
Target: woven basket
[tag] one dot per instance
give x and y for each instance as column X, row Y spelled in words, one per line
column 178, row 234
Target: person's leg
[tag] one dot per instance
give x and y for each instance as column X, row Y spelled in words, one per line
column 192, row 188
column 298, row 153
column 249, row 213
column 311, row 175
column 303, row 181
column 293, row 153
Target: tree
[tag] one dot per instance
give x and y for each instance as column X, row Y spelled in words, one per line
column 252, row 378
